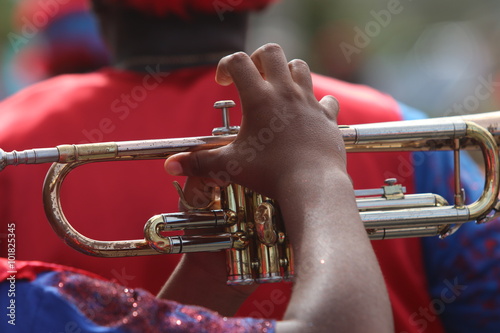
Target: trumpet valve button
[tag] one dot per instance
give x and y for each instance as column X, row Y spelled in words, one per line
column 227, row 128
column 390, row 181
column 224, row 104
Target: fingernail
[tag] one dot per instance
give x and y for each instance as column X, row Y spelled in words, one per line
column 174, row 168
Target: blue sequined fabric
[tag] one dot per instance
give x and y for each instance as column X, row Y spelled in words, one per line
column 135, row 310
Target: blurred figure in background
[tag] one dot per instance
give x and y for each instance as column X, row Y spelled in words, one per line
column 49, row 39
column 433, row 56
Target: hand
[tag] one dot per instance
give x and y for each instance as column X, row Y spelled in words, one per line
column 279, row 110
column 280, row 113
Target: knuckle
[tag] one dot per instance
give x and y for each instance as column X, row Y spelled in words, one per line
column 237, row 58
column 272, row 47
column 298, row 63
column 269, row 48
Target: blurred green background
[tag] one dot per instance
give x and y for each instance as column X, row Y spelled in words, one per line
column 6, row 8
column 440, row 56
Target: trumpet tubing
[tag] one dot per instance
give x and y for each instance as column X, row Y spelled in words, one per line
column 248, row 226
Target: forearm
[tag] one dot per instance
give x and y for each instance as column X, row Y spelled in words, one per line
column 191, row 283
column 334, row 258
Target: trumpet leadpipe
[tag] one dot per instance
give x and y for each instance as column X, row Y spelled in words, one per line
column 30, row 156
column 425, row 134
column 110, row 151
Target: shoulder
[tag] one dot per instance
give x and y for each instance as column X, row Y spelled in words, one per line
column 68, row 85
column 52, row 98
column 358, row 103
column 51, row 94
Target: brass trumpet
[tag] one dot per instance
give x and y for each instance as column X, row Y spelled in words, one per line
column 253, row 234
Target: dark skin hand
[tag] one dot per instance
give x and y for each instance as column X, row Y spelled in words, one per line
column 339, row 285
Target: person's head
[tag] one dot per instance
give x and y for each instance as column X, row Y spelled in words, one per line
column 186, row 8
column 139, row 28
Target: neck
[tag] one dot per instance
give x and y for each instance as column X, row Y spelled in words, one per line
column 138, row 40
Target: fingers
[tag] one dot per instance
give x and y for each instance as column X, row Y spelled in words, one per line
column 267, row 67
column 271, row 62
column 239, row 69
column 198, row 192
column 301, row 74
column 267, row 84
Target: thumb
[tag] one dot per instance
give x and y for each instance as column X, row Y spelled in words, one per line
column 204, row 163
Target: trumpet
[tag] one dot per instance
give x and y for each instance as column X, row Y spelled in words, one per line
column 248, row 226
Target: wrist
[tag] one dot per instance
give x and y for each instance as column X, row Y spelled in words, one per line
column 313, row 202
column 310, row 186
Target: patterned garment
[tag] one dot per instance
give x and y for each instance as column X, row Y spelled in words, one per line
column 49, row 298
